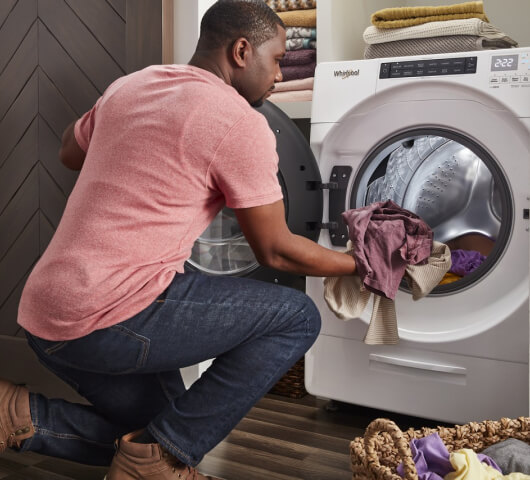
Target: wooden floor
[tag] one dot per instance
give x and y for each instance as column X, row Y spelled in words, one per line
column 280, row 439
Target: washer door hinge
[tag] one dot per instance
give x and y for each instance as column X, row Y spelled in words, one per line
column 337, row 187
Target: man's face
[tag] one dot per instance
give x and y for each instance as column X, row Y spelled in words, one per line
column 263, row 70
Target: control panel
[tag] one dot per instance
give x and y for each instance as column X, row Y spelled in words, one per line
column 510, row 69
column 428, row 68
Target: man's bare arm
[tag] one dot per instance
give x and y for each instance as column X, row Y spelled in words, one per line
column 275, row 246
column 71, row 154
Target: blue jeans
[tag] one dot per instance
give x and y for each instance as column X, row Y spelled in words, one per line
column 130, row 372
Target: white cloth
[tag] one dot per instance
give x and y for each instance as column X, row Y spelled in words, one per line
column 472, row 26
column 347, row 297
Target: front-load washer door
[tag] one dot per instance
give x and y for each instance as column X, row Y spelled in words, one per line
column 459, row 159
column 222, row 249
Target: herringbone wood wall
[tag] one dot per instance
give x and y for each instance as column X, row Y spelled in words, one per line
column 56, row 58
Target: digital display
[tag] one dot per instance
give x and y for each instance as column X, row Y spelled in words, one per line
column 504, row 62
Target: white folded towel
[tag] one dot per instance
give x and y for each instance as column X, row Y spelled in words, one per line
column 470, row 26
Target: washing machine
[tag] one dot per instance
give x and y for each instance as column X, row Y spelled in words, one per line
column 447, row 137
column 222, row 249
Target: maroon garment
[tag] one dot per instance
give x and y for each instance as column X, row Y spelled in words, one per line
column 386, row 238
column 298, row 57
column 296, row 72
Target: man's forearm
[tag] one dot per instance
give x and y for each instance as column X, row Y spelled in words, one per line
column 305, row 257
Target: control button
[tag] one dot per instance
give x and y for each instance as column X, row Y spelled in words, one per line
column 409, row 66
column 525, row 79
column 505, row 80
column 459, row 62
column 432, row 71
column 494, row 79
column 408, row 73
column 445, row 63
column 395, row 73
column 457, row 70
column 420, row 72
column 432, row 64
column 515, row 79
column 444, row 71
column 385, row 70
column 420, row 64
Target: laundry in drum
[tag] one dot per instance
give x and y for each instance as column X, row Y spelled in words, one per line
column 447, row 185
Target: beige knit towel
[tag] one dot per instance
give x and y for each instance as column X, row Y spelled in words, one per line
column 299, row 18
column 292, row 96
column 435, row 45
column 291, row 85
column 286, row 5
column 347, row 297
column 408, row 16
column 471, row 26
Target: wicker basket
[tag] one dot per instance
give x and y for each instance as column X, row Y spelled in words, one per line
column 385, row 446
column 292, row 383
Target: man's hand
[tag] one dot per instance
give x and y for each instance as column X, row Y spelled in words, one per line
column 275, row 246
column 71, row 154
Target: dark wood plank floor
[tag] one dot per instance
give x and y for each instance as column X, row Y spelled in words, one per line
column 279, row 439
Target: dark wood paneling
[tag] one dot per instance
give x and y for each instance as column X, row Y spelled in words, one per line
column 5, row 8
column 119, row 6
column 79, row 42
column 16, row 264
column 8, row 312
column 52, row 199
column 18, row 165
column 18, row 118
column 21, row 66
column 105, row 24
column 21, row 208
column 63, row 72
column 144, row 33
column 46, row 232
column 15, row 28
column 49, row 145
column 53, row 107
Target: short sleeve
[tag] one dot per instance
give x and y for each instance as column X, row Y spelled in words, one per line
column 84, row 127
column 245, row 167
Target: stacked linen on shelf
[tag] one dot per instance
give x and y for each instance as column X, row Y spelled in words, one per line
column 298, row 65
column 408, row 31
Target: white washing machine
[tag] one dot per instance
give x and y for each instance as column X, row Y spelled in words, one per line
column 446, row 136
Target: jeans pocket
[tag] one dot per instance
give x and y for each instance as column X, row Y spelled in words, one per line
column 113, row 350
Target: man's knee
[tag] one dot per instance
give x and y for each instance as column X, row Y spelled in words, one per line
column 309, row 313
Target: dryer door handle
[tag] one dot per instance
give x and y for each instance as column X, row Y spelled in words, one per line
column 418, row 364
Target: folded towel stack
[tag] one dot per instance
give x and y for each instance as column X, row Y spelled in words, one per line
column 407, row 31
column 298, row 65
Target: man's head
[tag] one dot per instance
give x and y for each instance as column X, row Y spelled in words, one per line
column 247, row 39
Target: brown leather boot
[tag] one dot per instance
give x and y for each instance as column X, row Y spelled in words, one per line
column 15, row 417
column 139, row 461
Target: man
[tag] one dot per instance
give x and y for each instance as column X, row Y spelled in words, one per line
column 109, row 308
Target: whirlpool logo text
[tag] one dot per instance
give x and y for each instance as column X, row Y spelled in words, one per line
column 344, row 74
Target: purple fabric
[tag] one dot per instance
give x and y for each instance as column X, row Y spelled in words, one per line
column 464, row 262
column 386, row 238
column 296, row 72
column 431, row 458
column 298, row 57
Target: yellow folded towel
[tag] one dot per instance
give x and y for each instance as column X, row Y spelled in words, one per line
column 409, row 16
column 299, row 18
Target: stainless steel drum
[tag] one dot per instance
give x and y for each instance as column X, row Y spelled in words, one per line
column 443, row 182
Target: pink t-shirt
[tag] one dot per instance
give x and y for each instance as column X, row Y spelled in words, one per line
column 167, row 147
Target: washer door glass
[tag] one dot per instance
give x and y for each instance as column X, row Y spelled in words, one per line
column 222, row 248
column 455, row 186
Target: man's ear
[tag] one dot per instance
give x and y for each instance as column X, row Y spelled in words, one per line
column 241, row 50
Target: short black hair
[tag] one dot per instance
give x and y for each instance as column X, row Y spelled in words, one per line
column 227, row 20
